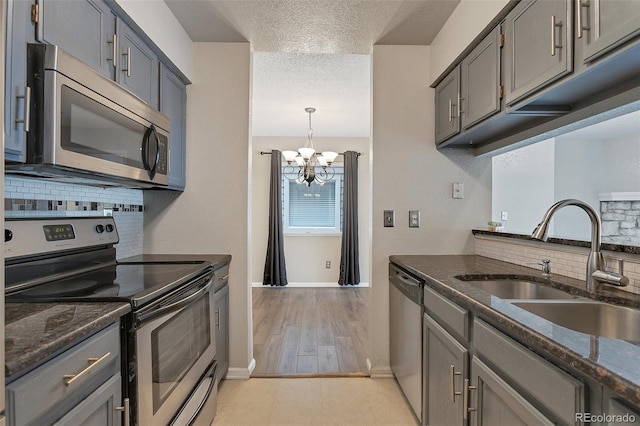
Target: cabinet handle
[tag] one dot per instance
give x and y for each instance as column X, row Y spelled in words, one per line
column 581, row 28
column 217, row 318
column 465, row 399
column 70, row 378
column 452, row 370
column 114, row 50
column 128, row 68
column 26, row 109
column 125, row 411
column 554, row 45
column 450, row 110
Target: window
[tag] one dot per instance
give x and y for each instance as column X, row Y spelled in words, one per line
column 315, row 209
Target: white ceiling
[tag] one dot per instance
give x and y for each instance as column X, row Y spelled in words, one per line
column 312, row 53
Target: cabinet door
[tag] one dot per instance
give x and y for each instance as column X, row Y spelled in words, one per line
column 83, row 28
column 493, row 402
column 19, row 30
column 620, row 414
column 222, row 330
column 137, row 65
column 445, row 368
column 601, row 25
column 98, row 409
column 481, row 81
column 173, row 104
column 538, row 46
column 446, row 99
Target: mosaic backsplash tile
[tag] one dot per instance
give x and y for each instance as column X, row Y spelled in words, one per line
column 39, row 198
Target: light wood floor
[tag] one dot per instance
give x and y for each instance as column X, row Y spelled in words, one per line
column 310, row 331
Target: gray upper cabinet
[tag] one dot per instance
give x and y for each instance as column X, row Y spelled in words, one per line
column 173, row 104
column 493, row 402
column 445, row 368
column 19, row 30
column 446, row 104
column 481, row 81
column 602, row 25
column 137, row 65
column 538, row 46
column 85, row 29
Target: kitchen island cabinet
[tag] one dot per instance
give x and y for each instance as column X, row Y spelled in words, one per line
column 505, row 337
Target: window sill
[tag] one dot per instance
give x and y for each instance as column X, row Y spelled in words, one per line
column 313, row 234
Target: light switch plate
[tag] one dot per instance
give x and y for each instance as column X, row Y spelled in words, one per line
column 389, row 218
column 414, row 218
column 458, row 190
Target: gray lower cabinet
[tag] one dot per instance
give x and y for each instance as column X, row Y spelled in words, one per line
column 447, row 96
column 85, row 29
column 81, row 386
column 445, row 369
column 19, row 30
column 173, row 104
column 493, row 402
column 137, row 65
column 221, row 298
column 480, row 83
column 601, row 25
column 538, row 46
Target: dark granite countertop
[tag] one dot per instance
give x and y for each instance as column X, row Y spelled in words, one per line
column 615, row 362
column 35, row 332
column 216, row 260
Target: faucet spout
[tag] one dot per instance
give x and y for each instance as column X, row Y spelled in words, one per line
column 595, row 262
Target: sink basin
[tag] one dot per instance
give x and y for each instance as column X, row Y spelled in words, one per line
column 597, row 319
column 516, row 288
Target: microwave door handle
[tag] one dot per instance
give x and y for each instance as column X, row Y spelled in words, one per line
column 162, row 310
column 146, row 141
column 152, row 172
column 145, row 148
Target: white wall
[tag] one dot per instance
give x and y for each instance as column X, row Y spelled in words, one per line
column 158, row 22
column 305, row 256
column 464, row 24
column 212, row 214
column 523, row 185
column 409, row 173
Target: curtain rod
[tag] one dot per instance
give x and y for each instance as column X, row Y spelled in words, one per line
column 340, row 153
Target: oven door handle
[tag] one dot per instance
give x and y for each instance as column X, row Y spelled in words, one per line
column 144, row 317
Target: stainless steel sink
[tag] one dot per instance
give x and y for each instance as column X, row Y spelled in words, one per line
column 516, row 288
column 597, row 319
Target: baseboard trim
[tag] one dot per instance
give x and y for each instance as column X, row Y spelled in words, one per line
column 235, row 373
column 313, row 285
column 381, row 372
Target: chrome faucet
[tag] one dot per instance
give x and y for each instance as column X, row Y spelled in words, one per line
column 595, row 262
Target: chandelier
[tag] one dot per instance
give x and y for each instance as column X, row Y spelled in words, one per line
column 311, row 166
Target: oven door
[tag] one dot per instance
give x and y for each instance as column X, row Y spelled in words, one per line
column 175, row 345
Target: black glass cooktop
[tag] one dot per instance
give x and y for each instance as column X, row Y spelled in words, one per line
column 134, row 282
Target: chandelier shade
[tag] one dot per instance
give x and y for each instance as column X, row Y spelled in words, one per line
column 312, row 167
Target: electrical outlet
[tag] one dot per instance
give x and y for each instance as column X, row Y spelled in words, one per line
column 327, row 264
column 414, row 218
column 389, row 218
column 504, row 215
column 458, row 190
column 108, row 212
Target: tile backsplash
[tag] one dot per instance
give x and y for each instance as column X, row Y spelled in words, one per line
column 41, row 198
column 565, row 260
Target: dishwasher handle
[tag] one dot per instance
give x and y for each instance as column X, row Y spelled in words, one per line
column 408, row 285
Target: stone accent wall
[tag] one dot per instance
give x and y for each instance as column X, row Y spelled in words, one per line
column 620, row 222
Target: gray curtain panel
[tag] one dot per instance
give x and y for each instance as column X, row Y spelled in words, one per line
column 275, row 270
column 349, row 256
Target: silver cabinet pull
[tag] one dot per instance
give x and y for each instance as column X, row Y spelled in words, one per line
column 93, row 362
column 453, row 374
column 581, row 27
column 225, row 277
column 114, row 50
column 217, row 318
column 125, row 411
column 465, row 399
column 128, row 68
column 26, row 109
column 554, row 45
column 450, row 110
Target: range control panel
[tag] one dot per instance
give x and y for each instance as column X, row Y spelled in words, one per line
column 28, row 237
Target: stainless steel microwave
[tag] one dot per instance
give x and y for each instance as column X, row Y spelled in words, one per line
column 83, row 126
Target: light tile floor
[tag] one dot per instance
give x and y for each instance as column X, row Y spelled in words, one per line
column 317, row 401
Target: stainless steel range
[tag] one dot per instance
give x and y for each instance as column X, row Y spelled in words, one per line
column 168, row 338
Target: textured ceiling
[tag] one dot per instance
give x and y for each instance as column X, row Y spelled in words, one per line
column 312, row 53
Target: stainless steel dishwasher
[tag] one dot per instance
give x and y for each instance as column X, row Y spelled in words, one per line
column 405, row 334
